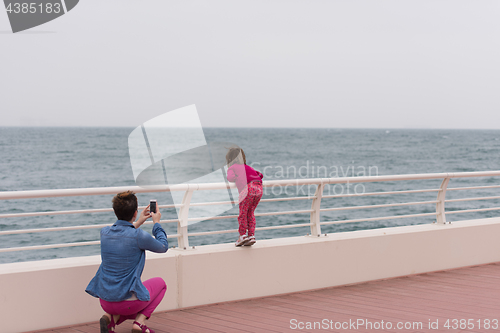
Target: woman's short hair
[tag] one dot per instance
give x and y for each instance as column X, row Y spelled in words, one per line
column 235, row 155
column 125, row 205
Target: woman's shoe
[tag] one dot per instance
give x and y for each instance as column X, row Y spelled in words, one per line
column 143, row 327
column 251, row 241
column 107, row 325
column 241, row 241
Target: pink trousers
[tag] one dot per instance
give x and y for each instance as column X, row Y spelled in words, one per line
column 249, row 199
column 130, row 309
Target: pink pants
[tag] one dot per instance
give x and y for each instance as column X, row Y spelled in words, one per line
column 130, row 309
column 249, row 199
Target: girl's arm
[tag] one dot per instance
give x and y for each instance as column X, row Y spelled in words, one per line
column 260, row 174
column 231, row 176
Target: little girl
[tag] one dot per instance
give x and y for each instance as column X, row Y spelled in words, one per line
column 249, row 184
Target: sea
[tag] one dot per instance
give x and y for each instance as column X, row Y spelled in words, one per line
column 41, row 158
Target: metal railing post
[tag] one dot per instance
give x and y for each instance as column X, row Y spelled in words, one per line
column 182, row 225
column 315, row 214
column 440, row 214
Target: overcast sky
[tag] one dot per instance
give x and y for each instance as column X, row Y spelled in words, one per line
column 338, row 64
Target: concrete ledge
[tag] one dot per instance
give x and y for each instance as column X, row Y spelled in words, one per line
column 213, row 273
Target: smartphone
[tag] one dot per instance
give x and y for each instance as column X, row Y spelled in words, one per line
column 152, row 206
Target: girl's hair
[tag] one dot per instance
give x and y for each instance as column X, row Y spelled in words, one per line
column 125, row 205
column 235, row 155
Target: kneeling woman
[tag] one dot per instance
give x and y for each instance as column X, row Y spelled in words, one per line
column 117, row 283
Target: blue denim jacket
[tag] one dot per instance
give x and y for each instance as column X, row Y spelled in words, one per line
column 123, row 257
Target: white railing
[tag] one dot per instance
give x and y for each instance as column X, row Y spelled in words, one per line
column 315, row 222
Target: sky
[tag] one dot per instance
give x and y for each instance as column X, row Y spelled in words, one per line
column 272, row 63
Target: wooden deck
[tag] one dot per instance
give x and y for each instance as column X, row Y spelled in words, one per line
column 466, row 293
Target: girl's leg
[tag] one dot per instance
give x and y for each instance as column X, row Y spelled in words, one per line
column 251, row 221
column 255, row 193
column 245, row 201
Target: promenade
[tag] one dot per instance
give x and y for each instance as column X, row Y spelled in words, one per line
column 467, row 299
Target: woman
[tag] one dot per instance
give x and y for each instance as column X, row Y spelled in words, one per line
column 117, row 282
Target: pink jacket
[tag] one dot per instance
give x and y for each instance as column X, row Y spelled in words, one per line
column 242, row 174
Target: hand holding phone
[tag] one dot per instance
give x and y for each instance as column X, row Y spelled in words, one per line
column 154, row 211
column 152, row 206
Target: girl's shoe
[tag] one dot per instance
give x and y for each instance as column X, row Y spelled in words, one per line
column 241, row 241
column 251, row 241
column 143, row 327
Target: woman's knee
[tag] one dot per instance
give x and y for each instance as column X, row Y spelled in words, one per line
column 162, row 283
column 155, row 283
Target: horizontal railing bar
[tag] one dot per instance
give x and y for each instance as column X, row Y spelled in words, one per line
column 288, row 199
column 50, row 246
column 471, row 210
column 164, row 206
column 54, row 246
column 379, row 193
column 472, row 199
column 68, row 212
column 192, row 219
column 61, row 212
column 213, row 203
column 163, row 221
column 197, row 219
column 212, row 232
column 379, row 206
column 31, row 231
column 371, row 179
column 472, row 188
column 286, row 212
column 262, row 200
column 379, row 218
column 9, row 195
column 76, row 227
column 286, row 226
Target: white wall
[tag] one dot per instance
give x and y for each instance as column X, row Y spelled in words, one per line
column 51, row 293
